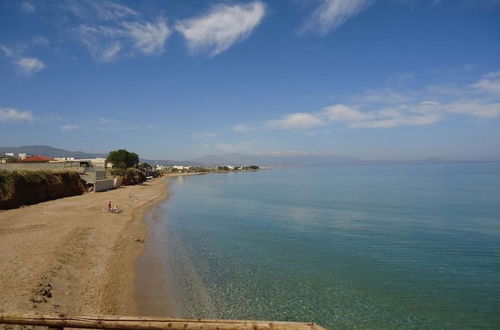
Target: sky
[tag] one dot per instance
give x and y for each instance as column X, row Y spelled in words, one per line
column 179, row 79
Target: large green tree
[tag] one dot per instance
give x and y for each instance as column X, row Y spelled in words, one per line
column 123, row 159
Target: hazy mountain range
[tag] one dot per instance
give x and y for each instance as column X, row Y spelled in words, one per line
column 50, row 152
column 262, row 159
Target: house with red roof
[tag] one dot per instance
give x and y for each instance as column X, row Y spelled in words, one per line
column 37, row 159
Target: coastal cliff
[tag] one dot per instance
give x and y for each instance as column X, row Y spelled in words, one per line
column 131, row 176
column 20, row 188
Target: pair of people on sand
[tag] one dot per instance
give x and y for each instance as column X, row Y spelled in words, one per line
column 112, row 209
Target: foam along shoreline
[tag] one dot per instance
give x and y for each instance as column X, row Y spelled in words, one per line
column 71, row 256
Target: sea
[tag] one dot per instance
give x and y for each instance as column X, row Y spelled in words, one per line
column 347, row 247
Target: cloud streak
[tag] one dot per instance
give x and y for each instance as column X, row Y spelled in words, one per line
column 25, row 65
column 296, row 121
column 103, row 10
column 113, row 30
column 15, row 115
column 106, row 43
column 331, row 14
column 388, row 109
column 29, row 65
column 222, row 27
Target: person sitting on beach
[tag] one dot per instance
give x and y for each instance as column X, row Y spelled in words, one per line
column 109, row 207
column 115, row 209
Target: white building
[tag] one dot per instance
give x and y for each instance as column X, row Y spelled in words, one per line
column 64, row 158
column 181, row 168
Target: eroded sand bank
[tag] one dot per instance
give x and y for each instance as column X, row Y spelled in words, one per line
column 71, row 256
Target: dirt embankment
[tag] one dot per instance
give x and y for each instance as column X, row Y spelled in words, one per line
column 31, row 187
column 131, row 176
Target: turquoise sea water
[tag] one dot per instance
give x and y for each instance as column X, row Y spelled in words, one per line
column 410, row 246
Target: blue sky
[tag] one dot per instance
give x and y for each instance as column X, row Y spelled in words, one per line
column 174, row 79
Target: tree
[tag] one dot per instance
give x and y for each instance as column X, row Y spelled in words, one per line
column 123, row 159
column 145, row 166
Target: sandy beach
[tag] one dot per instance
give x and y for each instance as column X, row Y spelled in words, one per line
column 70, row 255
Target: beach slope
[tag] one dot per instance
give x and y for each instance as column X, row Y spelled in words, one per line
column 70, row 255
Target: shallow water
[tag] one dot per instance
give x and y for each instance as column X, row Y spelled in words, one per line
column 410, row 246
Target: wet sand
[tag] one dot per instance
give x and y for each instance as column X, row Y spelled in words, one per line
column 71, row 256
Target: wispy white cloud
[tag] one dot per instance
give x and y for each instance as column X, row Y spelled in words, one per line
column 331, row 14
column 69, row 127
column 148, row 37
column 28, row 7
column 7, row 51
column 345, row 114
column 386, row 108
column 15, row 115
column 25, row 65
column 296, row 121
column 106, row 43
column 489, row 83
column 99, row 124
column 222, row 27
column 102, row 10
column 29, row 65
column 40, row 41
column 113, row 30
column 475, row 108
column 242, row 128
column 394, row 119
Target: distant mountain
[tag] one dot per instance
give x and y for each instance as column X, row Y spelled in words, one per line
column 273, row 159
column 278, row 159
column 308, row 159
column 57, row 152
column 50, row 151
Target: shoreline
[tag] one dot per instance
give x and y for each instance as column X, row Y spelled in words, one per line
column 70, row 256
column 152, row 290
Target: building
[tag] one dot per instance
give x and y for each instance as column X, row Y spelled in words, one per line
column 64, row 158
column 95, row 162
column 85, row 162
column 180, row 167
column 23, row 155
column 37, row 159
column 11, row 154
column 99, row 179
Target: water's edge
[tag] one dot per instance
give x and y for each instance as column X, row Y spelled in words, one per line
column 150, row 281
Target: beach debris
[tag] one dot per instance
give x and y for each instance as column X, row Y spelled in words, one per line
column 139, row 240
column 42, row 293
column 60, row 320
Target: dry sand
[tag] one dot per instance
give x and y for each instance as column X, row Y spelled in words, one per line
column 71, row 256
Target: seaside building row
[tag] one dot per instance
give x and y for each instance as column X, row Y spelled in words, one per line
column 91, row 170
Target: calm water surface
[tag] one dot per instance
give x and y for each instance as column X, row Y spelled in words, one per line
column 347, row 247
